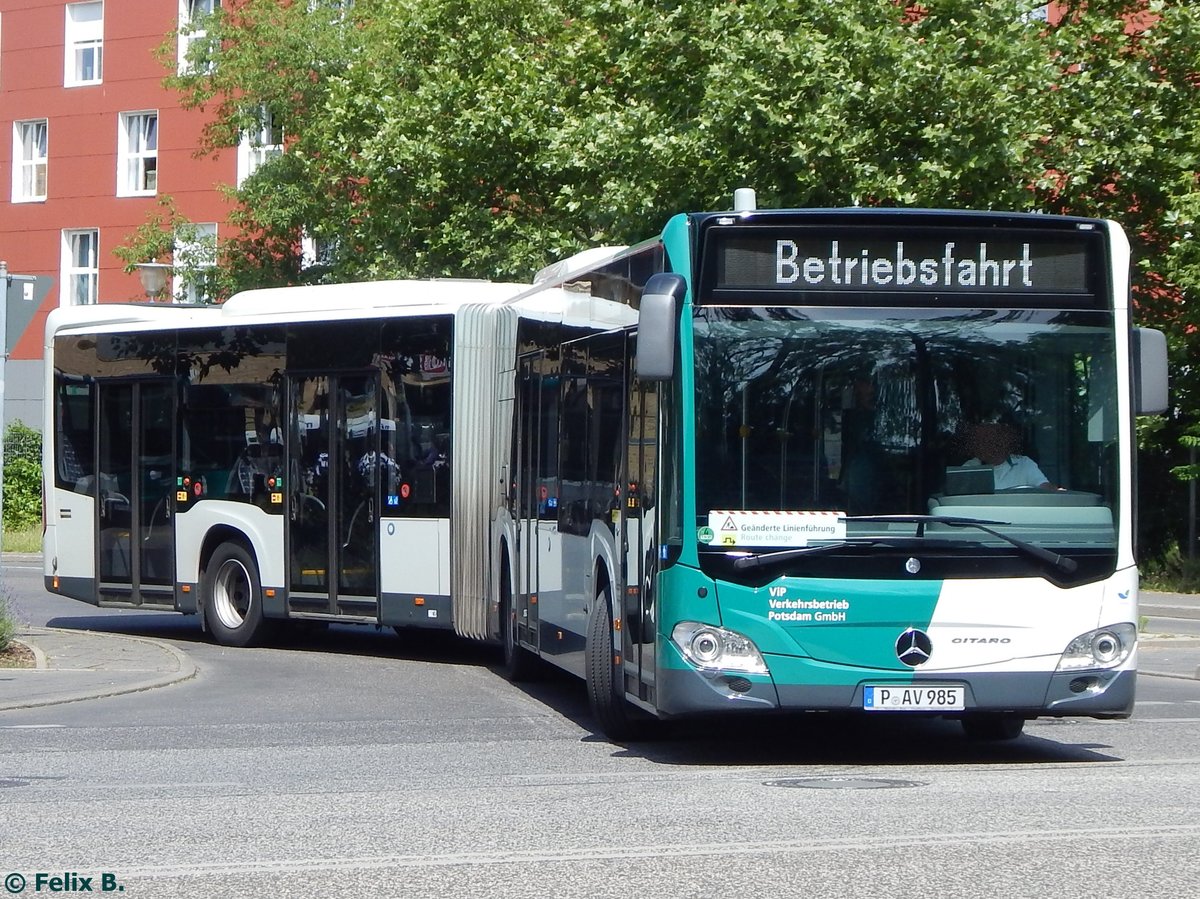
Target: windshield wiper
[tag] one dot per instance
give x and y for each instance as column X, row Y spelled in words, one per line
column 1062, row 563
column 784, row 554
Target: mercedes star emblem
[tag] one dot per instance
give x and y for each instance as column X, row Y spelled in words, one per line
column 914, row 647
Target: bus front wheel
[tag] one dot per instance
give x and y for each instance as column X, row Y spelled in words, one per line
column 233, row 597
column 605, row 676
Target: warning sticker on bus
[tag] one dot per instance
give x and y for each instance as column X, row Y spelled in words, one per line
column 728, row 527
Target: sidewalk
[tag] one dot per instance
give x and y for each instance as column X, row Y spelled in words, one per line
column 76, row 665
column 1170, row 646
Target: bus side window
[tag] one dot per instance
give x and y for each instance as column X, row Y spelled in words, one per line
column 74, row 424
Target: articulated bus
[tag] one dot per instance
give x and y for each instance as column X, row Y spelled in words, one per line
column 873, row 462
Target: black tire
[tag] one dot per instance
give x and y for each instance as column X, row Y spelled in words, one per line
column 233, row 597
column 605, row 678
column 992, row 727
column 519, row 663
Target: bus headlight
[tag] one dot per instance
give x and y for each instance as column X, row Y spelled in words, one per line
column 1105, row 647
column 713, row 648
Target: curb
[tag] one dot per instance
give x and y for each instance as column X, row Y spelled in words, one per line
column 39, row 657
column 185, row 670
column 1196, row 676
column 1191, row 641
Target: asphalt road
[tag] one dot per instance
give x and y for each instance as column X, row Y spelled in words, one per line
column 359, row 764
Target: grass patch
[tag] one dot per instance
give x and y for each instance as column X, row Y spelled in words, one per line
column 23, row 540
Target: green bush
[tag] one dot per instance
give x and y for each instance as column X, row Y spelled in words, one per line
column 1172, row 572
column 22, row 476
column 8, row 627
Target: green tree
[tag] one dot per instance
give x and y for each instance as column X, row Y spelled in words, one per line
column 487, row 138
column 430, row 137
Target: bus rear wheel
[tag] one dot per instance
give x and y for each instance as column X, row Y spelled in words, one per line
column 992, row 727
column 605, row 676
column 233, row 597
column 519, row 663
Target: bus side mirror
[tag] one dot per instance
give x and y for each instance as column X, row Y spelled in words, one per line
column 657, row 320
column 1149, row 372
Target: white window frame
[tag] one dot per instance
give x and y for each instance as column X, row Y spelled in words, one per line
column 137, row 161
column 192, row 256
column 342, row 6
column 188, row 11
column 31, row 160
column 83, row 36
column 80, row 267
column 257, row 147
column 315, row 251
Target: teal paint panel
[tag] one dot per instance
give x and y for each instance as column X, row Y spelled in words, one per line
column 853, row 624
column 680, row 599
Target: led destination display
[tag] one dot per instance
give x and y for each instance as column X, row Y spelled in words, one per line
column 961, row 263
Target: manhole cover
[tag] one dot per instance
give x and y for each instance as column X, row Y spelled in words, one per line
column 843, row 783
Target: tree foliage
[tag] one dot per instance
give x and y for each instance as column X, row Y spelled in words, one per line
column 446, row 137
column 488, row 137
column 22, row 476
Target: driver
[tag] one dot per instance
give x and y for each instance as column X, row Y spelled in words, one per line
column 995, row 444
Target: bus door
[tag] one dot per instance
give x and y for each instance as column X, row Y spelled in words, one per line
column 638, row 532
column 133, row 489
column 333, row 503
column 537, row 428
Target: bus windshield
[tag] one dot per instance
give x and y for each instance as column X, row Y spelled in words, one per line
column 1006, row 416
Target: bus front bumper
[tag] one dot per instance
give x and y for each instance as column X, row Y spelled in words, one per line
column 796, row 684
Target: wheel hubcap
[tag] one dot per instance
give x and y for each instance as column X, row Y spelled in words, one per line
column 231, row 594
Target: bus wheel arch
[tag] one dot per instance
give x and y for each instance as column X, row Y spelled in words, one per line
column 231, row 592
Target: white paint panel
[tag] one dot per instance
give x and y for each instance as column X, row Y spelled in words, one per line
column 264, row 531
column 1009, row 625
column 72, row 538
column 414, row 555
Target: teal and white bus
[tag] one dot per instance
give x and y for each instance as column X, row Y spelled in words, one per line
column 736, row 468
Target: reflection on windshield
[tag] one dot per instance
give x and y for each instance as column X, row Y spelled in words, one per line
column 1005, row 415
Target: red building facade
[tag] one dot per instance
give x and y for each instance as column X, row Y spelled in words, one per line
column 91, row 142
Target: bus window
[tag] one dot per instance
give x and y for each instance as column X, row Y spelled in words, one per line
column 593, row 396
column 415, row 411
column 232, row 439
column 73, row 422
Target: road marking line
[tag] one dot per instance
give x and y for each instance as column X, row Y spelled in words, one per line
column 29, row 726
column 624, row 853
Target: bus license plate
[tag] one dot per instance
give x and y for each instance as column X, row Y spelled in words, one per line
column 913, row 699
